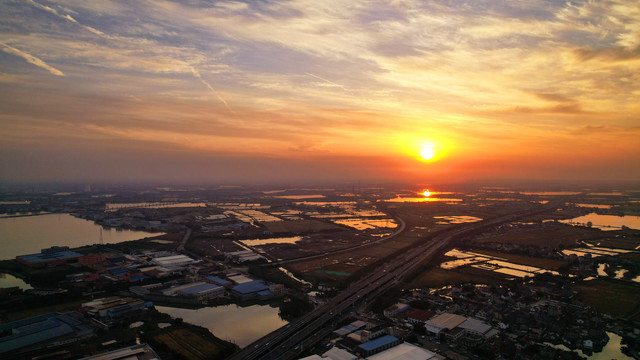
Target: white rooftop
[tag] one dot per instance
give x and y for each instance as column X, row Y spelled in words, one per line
column 446, row 321
column 404, row 351
column 338, row 354
column 475, row 325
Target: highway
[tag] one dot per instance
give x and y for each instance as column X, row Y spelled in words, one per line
column 312, row 327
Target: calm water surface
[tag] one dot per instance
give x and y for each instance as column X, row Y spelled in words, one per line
column 8, row 280
column 607, row 222
column 30, row 234
column 241, row 325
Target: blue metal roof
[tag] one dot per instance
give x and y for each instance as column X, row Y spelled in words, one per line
column 250, row 287
column 38, row 329
column 265, row 293
column 52, row 256
column 201, row 289
column 218, row 280
column 379, row 342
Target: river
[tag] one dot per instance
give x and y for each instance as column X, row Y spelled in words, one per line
column 241, row 325
column 30, row 234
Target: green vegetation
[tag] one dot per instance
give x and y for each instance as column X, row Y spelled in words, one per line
column 549, row 264
column 564, row 235
column 191, row 345
column 437, row 278
column 612, row 297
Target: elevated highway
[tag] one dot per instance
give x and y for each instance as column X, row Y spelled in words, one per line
column 312, row 327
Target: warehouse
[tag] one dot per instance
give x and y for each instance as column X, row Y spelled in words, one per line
column 39, row 331
column 173, row 261
column 52, row 256
column 249, row 290
column 377, row 345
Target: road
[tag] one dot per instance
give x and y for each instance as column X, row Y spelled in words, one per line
column 312, row 327
column 401, row 227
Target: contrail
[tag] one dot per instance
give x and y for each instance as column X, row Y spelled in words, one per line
column 325, row 80
column 65, row 17
column 197, row 75
column 31, row 59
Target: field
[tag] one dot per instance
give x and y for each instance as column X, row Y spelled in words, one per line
column 563, row 235
column 611, row 297
column 437, row 278
column 192, row 346
column 548, row 264
column 299, row 226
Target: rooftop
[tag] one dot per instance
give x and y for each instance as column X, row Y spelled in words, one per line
column 404, row 351
column 475, row 325
column 49, row 256
column 250, row 287
column 379, row 342
column 447, row 320
column 200, row 288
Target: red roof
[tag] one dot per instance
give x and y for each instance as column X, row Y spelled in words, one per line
column 420, row 315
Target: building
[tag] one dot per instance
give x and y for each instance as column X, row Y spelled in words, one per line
column 113, row 308
column 52, row 256
column 475, row 327
column 249, row 290
column 394, row 310
column 404, row 351
column 173, row 261
column 218, row 281
column 46, row 330
column 134, row 352
column 444, row 321
column 419, row 316
column 348, row 329
column 377, row 345
column 338, row 354
column 199, row 291
column 202, row 291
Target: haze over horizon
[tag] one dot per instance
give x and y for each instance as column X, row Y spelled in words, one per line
column 302, row 90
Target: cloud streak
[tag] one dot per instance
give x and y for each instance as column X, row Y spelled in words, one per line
column 31, row 59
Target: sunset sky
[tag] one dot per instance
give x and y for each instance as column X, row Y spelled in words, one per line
column 219, row 91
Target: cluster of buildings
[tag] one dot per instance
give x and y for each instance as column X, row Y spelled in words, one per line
column 22, row 337
column 45, row 330
column 372, row 340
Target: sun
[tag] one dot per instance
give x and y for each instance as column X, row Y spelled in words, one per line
column 427, row 153
column 427, row 193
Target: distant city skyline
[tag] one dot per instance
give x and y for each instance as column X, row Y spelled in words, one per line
column 268, row 91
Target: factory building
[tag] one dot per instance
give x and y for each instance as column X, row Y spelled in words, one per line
column 114, row 308
column 377, row 345
column 444, row 321
column 404, row 351
column 199, row 291
column 218, row 281
column 52, row 256
column 134, row 352
column 41, row 331
column 250, row 290
column 173, row 261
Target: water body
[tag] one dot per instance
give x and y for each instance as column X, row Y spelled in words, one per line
column 29, row 235
column 612, row 350
column 606, row 222
column 230, row 322
column 8, row 280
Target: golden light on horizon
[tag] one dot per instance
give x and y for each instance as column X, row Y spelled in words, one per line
column 427, row 193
